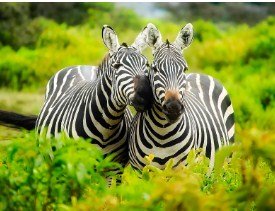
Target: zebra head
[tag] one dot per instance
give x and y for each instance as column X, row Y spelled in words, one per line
column 130, row 68
column 167, row 74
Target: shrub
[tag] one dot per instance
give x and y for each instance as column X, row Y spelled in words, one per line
column 75, row 178
column 31, row 181
column 263, row 46
column 16, row 71
column 206, row 30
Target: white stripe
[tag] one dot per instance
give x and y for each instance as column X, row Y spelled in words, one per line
column 228, row 112
column 231, row 132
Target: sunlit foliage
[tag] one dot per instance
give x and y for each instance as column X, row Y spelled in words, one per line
column 75, row 178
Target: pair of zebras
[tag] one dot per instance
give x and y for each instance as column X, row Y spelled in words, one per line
column 177, row 112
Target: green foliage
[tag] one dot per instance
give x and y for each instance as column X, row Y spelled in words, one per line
column 16, row 27
column 205, row 30
column 58, row 46
column 242, row 59
column 31, row 181
column 16, row 71
column 15, row 17
column 71, row 13
column 121, row 19
column 128, row 19
column 264, row 45
column 75, row 178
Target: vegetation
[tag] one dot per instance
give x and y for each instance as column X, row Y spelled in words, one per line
column 237, row 12
column 33, row 48
column 75, row 179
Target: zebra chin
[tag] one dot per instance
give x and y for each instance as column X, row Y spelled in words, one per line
column 141, row 103
column 173, row 109
column 172, row 118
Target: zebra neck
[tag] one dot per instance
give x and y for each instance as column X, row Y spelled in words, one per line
column 102, row 97
column 157, row 118
column 104, row 66
column 116, row 99
column 155, row 121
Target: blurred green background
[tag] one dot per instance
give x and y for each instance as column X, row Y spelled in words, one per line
column 234, row 42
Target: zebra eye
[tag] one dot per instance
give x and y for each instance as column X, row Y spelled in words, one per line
column 117, row 65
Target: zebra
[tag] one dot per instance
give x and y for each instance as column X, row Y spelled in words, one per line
column 95, row 107
column 91, row 102
column 190, row 111
column 142, row 100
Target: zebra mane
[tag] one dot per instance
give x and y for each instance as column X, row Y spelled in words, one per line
column 124, row 44
column 168, row 43
column 104, row 62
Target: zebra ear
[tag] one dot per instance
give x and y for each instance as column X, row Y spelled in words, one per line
column 184, row 37
column 140, row 42
column 153, row 38
column 110, row 39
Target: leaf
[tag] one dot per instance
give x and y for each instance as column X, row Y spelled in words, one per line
column 221, row 156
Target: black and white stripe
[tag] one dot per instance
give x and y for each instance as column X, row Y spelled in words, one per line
column 190, row 111
column 91, row 102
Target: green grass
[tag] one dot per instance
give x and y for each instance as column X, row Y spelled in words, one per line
column 24, row 102
column 28, row 103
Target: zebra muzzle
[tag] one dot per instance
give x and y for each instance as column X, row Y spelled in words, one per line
column 173, row 110
column 143, row 98
column 140, row 103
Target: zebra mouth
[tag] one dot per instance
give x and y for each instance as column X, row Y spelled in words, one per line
column 172, row 117
column 139, row 108
column 172, row 110
column 139, row 104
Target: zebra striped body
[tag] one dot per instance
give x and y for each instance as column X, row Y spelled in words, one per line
column 69, row 77
column 91, row 102
column 81, row 107
column 207, row 122
column 190, row 111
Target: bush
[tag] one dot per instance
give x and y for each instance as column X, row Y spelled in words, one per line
column 264, row 41
column 19, row 26
column 16, row 71
column 75, row 178
column 206, row 30
column 120, row 19
column 31, row 181
column 16, row 28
